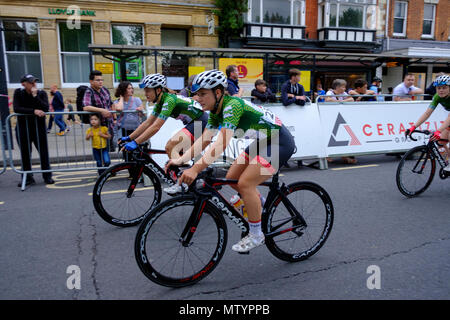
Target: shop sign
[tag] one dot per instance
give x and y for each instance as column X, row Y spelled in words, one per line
column 105, row 68
column 70, row 12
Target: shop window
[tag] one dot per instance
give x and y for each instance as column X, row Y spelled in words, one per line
column 22, row 52
column 289, row 12
column 428, row 20
column 129, row 35
column 74, row 51
column 400, row 14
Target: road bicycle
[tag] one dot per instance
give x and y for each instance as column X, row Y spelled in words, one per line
column 124, row 192
column 181, row 240
column 417, row 167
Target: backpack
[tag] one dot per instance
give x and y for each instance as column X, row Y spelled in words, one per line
column 80, row 95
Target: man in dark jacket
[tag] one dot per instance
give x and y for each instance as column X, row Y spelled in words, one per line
column 58, row 106
column 292, row 91
column 31, row 128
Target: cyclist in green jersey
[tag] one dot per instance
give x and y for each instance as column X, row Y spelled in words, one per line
column 273, row 146
column 167, row 105
column 442, row 97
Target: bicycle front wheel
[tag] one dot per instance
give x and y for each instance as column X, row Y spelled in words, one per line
column 415, row 171
column 160, row 252
column 286, row 236
column 120, row 202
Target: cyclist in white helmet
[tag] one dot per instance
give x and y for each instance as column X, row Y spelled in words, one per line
column 167, row 105
column 442, row 97
column 273, row 146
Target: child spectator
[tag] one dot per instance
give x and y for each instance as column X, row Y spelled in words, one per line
column 262, row 94
column 361, row 89
column 99, row 136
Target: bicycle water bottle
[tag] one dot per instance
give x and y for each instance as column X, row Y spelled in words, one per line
column 237, row 202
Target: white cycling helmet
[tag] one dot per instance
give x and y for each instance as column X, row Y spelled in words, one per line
column 442, row 81
column 153, row 81
column 209, row 80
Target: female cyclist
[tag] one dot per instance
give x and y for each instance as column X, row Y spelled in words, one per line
column 442, row 96
column 166, row 105
column 273, row 146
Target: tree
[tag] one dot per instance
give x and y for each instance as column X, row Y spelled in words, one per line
column 231, row 19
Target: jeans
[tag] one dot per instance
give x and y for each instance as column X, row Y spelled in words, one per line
column 101, row 156
column 60, row 122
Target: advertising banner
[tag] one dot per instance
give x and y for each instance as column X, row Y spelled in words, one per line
column 249, row 71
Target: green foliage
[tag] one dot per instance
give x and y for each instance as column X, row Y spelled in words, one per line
column 231, row 18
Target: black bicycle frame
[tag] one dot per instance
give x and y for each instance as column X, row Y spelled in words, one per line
column 434, row 153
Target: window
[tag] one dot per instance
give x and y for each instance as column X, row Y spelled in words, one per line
column 347, row 14
column 21, row 43
column 73, row 44
column 173, row 37
column 128, row 35
column 400, row 13
column 428, row 20
column 289, row 12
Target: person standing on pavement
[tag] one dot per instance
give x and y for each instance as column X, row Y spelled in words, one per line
column 292, row 91
column 376, row 87
column 233, row 81
column 58, row 106
column 33, row 102
column 98, row 99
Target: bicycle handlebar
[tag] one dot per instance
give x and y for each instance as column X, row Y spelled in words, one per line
column 428, row 133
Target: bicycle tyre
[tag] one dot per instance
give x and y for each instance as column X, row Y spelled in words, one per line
column 420, row 180
column 112, row 185
column 164, row 224
column 294, row 244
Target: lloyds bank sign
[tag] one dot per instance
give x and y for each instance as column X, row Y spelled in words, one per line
column 70, row 12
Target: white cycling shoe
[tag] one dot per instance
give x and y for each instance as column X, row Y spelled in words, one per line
column 447, row 168
column 248, row 242
column 176, row 188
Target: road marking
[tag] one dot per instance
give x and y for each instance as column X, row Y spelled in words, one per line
column 356, row 167
column 124, row 190
column 2, row 202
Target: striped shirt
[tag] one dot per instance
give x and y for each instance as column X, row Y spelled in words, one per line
column 101, row 99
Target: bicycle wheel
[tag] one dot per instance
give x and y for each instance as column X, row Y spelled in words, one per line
column 160, row 253
column 113, row 201
column 285, row 236
column 415, row 171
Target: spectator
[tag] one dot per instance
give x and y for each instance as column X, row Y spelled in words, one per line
column 127, row 122
column 431, row 90
column 376, row 87
column 361, row 89
column 320, row 92
column 405, row 90
column 58, row 106
column 292, row 91
column 98, row 99
column 71, row 117
column 390, row 89
column 99, row 135
column 187, row 92
column 337, row 92
column 32, row 129
column 262, row 94
column 233, row 81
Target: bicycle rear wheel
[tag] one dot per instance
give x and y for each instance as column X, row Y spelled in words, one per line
column 121, row 203
column 286, row 237
column 415, row 171
column 159, row 249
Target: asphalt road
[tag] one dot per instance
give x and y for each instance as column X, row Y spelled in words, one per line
column 379, row 234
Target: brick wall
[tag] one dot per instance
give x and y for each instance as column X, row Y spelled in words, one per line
column 311, row 18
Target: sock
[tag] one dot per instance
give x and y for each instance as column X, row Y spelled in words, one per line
column 255, row 227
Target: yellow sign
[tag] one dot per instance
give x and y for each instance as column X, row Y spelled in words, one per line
column 249, row 69
column 195, row 70
column 305, row 80
column 105, row 68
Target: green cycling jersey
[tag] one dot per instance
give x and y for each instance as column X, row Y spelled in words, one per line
column 178, row 107
column 445, row 102
column 253, row 120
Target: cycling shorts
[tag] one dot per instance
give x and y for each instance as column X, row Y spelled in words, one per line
column 265, row 151
column 190, row 127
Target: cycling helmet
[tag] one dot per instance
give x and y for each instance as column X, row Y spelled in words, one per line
column 153, row 81
column 442, row 81
column 209, row 80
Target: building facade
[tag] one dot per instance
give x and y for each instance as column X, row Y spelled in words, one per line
column 50, row 39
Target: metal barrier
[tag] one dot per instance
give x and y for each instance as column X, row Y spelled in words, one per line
column 57, row 153
column 2, row 146
column 377, row 97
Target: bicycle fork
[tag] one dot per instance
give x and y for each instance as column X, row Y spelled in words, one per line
column 192, row 223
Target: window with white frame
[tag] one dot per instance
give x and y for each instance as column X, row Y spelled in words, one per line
column 288, row 12
column 360, row 14
column 73, row 46
column 429, row 12
column 22, row 51
column 400, row 15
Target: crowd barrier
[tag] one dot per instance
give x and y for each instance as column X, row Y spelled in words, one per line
column 320, row 130
column 2, row 147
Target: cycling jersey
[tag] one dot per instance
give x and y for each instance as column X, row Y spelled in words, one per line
column 178, row 107
column 255, row 121
column 445, row 102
